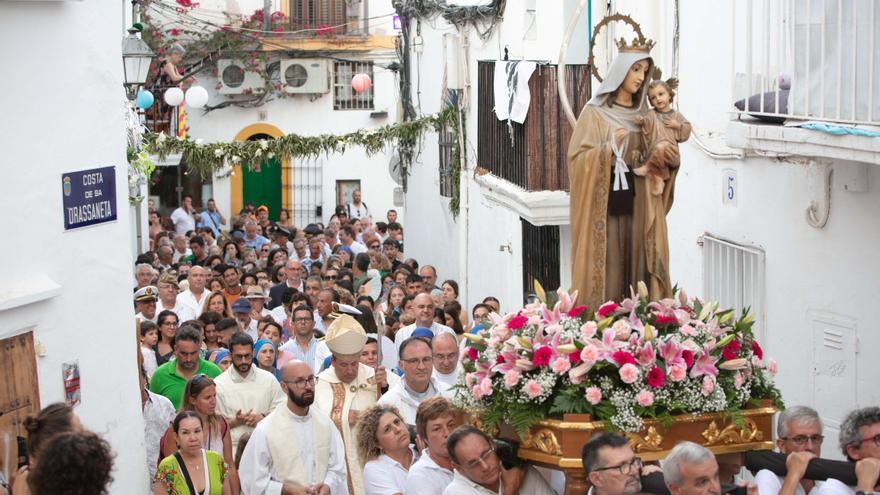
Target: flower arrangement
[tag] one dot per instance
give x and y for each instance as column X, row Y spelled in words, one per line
column 626, row 361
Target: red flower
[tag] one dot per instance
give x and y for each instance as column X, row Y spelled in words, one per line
column 731, row 350
column 499, row 359
column 575, row 358
column 607, row 309
column 517, row 322
column 174, row 32
column 576, row 311
column 756, row 350
column 656, row 377
column 688, row 357
column 473, row 354
column 542, row 356
column 665, row 320
column 623, row 357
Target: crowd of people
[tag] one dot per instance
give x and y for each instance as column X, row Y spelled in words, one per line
column 320, row 360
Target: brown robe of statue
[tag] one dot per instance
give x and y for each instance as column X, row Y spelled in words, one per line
column 611, row 253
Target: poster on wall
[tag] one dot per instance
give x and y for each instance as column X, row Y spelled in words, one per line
column 70, row 374
column 344, row 190
column 89, row 197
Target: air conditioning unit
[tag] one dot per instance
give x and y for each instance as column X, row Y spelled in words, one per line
column 305, row 75
column 235, row 79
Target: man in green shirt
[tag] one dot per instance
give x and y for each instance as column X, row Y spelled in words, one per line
column 170, row 378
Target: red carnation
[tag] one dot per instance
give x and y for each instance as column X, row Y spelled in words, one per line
column 665, row 320
column 623, row 357
column 607, row 309
column 517, row 322
column 499, row 359
column 575, row 358
column 576, row 311
column 473, row 354
column 656, row 377
column 756, row 350
column 542, row 356
column 731, row 350
column 688, row 357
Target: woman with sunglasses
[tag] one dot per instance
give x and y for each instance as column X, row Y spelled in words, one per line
column 192, row 470
column 384, row 448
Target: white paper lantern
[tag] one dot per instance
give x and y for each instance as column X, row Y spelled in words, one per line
column 196, row 97
column 173, row 96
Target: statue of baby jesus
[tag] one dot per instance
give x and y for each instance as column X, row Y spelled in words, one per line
column 663, row 129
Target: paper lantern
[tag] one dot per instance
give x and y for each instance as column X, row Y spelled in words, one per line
column 361, row 82
column 144, row 99
column 174, row 96
column 196, row 97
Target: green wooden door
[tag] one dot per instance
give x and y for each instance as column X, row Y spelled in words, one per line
column 263, row 187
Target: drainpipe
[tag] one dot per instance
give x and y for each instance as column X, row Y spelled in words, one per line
column 464, row 175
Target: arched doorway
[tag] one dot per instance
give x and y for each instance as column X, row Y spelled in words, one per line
column 266, row 183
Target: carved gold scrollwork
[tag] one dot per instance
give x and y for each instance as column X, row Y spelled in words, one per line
column 650, row 442
column 543, row 440
column 732, row 433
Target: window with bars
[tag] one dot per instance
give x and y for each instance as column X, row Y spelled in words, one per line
column 447, row 147
column 540, row 256
column 322, row 17
column 733, row 275
column 346, row 98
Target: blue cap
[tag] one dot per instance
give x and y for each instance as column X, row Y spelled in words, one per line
column 241, row 305
column 423, row 332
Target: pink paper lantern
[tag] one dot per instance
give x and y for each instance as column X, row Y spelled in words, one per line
column 361, row 83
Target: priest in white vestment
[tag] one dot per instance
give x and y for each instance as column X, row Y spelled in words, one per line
column 417, row 363
column 296, row 446
column 447, row 366
column 347, row 388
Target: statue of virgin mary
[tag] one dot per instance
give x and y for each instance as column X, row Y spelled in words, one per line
column 618, row 228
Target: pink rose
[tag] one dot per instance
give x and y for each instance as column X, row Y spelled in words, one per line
column 771, row 367
column 511, row 378
column 561, row 365
column 629, row 373
column 486, row 386
column 708, row 385
column 645, row 398
column 589, row 354
column 588, row 330
column 533, row 389
column 622, row 328
column 677, row 373
column 470, row 380
column 593, row 395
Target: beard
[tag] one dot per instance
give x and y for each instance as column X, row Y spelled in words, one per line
column 304, row 400
column 243, row 368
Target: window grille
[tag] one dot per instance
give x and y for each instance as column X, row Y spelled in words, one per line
column 322, row 17
column 540, row 256
column 733, row 275
column 447, row 147
column 344, row 97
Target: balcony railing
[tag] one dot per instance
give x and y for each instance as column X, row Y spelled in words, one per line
column 807, row 60
column 531, row 155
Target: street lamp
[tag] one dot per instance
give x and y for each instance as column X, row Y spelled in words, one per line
column 136, row 60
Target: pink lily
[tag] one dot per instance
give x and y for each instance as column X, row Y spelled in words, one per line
column 671, row 354
column 635, row 323
column 608, row 345
column 646, row 355
column 705, row 364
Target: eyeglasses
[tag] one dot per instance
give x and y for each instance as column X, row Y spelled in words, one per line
column 303, row 319
column 480, row 460
column 875, row 439
column 425, row 361
column 302, row 382
column 446, row 357
column 373, row 246
column 801, row 440
column 330, row 277
column 626, row 467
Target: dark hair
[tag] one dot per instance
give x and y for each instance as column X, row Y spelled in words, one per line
column 288, row 294
column 225, row 323
column 453, row 309
column 197, row 240
column 210, row 259
column 146, row 326
column 242, row 443
column 50, row 421
column 413, row 277
column 273, row 323
column 659, row 82
column 394, row 226
column 366, row 299
column 371, row 340
column 275, row 269
column 362, row 262
column 459, row 434
column 75, row 463
column 406, row 298
column 210, row 318
column 165, row 313
column 187, row 333
column 409, row 341
column 590, row 452
column 493, row 299
column 240, row 338
column 366, row 319
column 347, row 229
column 440, row 315
column 302, row 307
column 185, row 415
column 481, row 305
column 334, row 295
column 431, row 409
column 453, row 284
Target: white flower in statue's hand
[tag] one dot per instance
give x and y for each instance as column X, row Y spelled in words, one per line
column 235, row 159
column 258, row 153
column 264, row 144
column 219, row 153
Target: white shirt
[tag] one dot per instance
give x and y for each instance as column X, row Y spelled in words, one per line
column 769, row 483
column 406, row 332
column 184, row 312
column 357, row 248
column 258, row 475
column 150, row 363
column 158, row 415
column 385, row 476
column 533, row 484
column 358, row 211
column 278, row 314
column 407, row 401
column 183, row 221
column 448, row 379
column 258, row 390
column 314, row 356
column 425, row 477
column 175, row 258
column 188, row 299
column 141, row 317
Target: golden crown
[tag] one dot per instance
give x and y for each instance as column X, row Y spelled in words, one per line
column 640, row 45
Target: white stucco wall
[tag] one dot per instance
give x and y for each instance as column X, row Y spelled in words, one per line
column 63, row 111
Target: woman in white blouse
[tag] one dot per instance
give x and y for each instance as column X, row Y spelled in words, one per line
column 384, row 446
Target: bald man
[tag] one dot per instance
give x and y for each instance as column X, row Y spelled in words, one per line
column 274, row 464
column 424, row 309
column 194, row 296
column 446, row 365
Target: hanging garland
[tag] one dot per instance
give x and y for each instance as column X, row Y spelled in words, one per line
column 208, row 159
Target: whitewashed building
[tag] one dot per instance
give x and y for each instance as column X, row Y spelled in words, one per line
column 67, row 293
column 310, row 65
column 777, row 218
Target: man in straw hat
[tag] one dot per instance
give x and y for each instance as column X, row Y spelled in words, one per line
column 348, row 387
